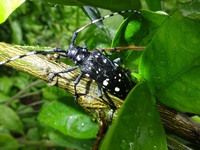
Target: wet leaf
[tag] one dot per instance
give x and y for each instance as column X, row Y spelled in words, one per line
column 68, row 119
column 171, row 63
column 138, row 125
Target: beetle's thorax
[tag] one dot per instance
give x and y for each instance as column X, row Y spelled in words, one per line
column 77, row 54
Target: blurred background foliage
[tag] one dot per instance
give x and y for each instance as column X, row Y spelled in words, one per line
column 39, row 23
column 46, row 24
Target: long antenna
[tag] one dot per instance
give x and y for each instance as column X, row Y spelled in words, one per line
column 97, row 20
column 58, row 50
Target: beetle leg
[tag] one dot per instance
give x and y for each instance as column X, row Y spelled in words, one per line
column 117, row 60
column 99, row 91
column 62, row 71
column 75, row 84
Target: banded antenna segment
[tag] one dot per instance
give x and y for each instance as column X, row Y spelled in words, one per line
column 58, row 50
column 100, row 19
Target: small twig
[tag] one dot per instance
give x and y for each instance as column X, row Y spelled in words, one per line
column 27, row 143
column 22, row 91
column 20, row 111
column 30, row 94
column 123, row 48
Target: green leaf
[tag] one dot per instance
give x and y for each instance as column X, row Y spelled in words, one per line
column 17, row 34
column 111, row 5
column 125, row 36
column 171, row 63
column 6, row 84
column 53, row 93
column 138, row 125
column 10, row 120
column 154, row 5
column 196, row 118
column 3, row 97
column 138, row 29
column 7, row 7
column 73, row 143
column 7, row 142
column 126, row 32
column 65, row 117
column 152, row 20
column 33, row 134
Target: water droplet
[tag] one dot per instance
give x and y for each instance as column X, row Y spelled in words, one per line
column 131, row 144
column 195, row 39
column 71, row 121
column 123, row 144
column 150, row 132
column 163, row 63
column 149, row 114
column 157, row 80
column 127, row 145
column 184, row 27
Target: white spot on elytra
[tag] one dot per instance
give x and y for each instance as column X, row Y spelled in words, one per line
column 97, row 72
column 105, row 60
column 117, row 89
column 120, row 74
column 96, row 56
column 105, row 82
column 119, row 80
column 78, row 58
column 116, row 64
column 87, row 75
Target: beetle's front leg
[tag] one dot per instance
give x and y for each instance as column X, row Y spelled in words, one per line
column 62, row 71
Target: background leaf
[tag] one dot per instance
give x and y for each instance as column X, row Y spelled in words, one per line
column 111, row 5
column 154, row 5
column 190, row 9
column 10, row 120
column 171, row 63
column 7, row 142
column 73, row 143
column 7, row 7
